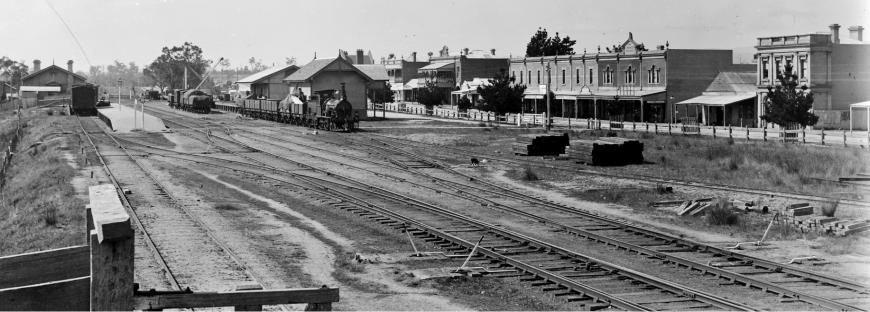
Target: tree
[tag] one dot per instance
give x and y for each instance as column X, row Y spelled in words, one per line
column 12, row 71
column 786, row 105
column 430, row 95
column 290, row 60
column 501, row 95
column 168, row 68
column 541, row 44
column 381, row 95
column 464, row 103
column 256, row 65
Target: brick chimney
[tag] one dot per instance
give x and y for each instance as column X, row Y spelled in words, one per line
column 835, row 33
column 856, row 32
column 36, row 65
column 69, row 76
column 413, row 56
column 465, row 51
column 492, row 51
column 359, row 56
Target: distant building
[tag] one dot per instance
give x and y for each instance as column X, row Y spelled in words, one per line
column 268, row 83
column 448, row 72
column 53, row 76
column 631, row 83
column 728, row 101
column 400, row 72
column 358, row 58
column 321, row 79
column 836, row 70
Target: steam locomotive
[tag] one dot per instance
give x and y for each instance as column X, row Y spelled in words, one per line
column 194, row 100
column 330, row 110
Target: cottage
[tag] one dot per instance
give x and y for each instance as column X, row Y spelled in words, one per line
column 321, row 79
column 268, row 83
column 53, row 76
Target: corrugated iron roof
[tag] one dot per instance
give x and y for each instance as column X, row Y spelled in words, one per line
column 50, row 67
column 719, row 99
column 733, row 82
column 377, row 72
column 436, row 66
column 265, row 74
column 316, row 66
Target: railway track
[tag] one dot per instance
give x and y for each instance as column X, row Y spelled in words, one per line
column 720, row 263
column 187, row 250
column 579, row 169
column 760, row 274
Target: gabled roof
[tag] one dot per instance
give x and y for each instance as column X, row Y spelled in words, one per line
column 377, row 72
column 50, row 67
column 265, row 74
column 316, row 66
column 733, row 82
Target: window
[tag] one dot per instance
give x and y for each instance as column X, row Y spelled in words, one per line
column 539, row 76
column 563, row 76
column 788, row 63
column 590, row 76
column 803, row 69
column 765, row 72
column 778, row 64
column 629, row 75
column 578, row 76
column 514, row 75
column 608, row 75
column 652, row 75
column 530, row 76
column 521, row 77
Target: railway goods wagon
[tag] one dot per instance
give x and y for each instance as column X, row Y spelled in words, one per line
column 84, row 100
column 195, row 101
column 332, row 115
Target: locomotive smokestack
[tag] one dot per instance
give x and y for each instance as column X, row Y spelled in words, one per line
column 343, row 92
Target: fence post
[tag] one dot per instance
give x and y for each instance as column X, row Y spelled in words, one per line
column 634, row 126
column 327, row 306
column 714, row 132
column 844, row 138
column 823, row 136
column 647, row 126
column 656, row 126
column 729, row 132
column 747, row 133
column 111, row 251
column 764, row 133
column 804, row 135
column 669, row 128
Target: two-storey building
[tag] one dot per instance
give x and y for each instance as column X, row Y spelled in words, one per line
column 630, row 82
column 835, row 70
column 449, row 72
column 401, row 72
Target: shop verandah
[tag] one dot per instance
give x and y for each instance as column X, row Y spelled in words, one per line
column 636, row 105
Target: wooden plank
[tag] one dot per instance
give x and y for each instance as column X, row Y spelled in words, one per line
column 63, row 295
column 236, row 298
column 44, row 266
column 111, row 221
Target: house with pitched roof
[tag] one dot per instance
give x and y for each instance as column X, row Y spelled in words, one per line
column 268, row 83
column 321, row 79
column 728, row 101
column 53, row 76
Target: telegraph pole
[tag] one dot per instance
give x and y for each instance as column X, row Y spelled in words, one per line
column 119, row 93
column 547, row 122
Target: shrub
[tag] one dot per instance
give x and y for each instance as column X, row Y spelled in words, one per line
column 721, row 213
column 49, row 215
column 225, row 207
column 829, row 209
column 730, row 141
column 530, row 175
column 733, row 163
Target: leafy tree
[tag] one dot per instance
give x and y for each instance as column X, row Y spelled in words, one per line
column 501, row 95
column 430, row 95
column 257, row 65
column 381, row 95
column 787, row 103
column 541, row 44
column 168, row 68
column 290, row 60
column 464, row 103
column 12, row 71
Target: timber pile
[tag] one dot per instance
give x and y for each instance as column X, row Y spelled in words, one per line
column 830, row 225
column 605, row 151
column 542, row 145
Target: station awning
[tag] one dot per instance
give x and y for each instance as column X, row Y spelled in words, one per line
column 40, row 89
column 612, row 94
column 718, row 99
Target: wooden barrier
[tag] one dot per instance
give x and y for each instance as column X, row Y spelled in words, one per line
column 99, row 276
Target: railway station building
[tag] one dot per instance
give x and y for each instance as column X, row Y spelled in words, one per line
column 268, row 83
column 629, row 83
column 322, row 79
column 836, row 70
column 52, row 76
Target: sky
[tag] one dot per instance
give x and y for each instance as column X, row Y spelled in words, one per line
column 271, row 30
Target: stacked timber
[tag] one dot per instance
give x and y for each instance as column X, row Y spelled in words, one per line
column 605, row 151
column 542, row 145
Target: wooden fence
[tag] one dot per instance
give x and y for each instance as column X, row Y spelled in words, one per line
column 99, row 276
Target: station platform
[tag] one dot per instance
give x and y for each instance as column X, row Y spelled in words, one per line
column 125, row 119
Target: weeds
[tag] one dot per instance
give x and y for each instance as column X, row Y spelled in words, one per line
column 529, row 174
column 721, row 213
column 49, row 215
column 225, row 207
column 829, row 209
